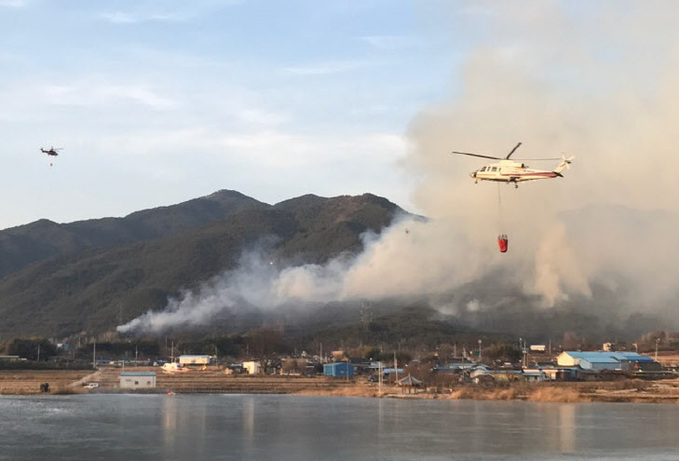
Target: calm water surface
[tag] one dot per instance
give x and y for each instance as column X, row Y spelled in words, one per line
column 261, row 427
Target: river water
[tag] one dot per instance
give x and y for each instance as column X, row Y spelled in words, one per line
column 284, row 427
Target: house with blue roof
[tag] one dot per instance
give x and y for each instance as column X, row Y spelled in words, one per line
column 610, row 361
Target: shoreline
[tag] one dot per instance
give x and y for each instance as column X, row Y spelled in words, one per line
column 27, row 382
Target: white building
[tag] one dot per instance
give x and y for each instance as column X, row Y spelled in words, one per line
column 253, row 368
column 137, row 380
column 194, row 360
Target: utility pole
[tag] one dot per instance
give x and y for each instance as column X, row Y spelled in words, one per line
column 94, row 354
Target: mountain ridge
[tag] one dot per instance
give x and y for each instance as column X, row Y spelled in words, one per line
column 86, row 281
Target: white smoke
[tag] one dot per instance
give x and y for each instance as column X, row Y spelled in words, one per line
column 411, row 258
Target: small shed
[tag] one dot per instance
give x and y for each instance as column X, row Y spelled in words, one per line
column 137, row 379
column 252, row 367
column 338, row 369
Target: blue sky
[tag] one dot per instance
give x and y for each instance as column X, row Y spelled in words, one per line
column 157, row 102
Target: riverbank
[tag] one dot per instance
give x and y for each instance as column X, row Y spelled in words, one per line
column 633, row 391
column 26, row 382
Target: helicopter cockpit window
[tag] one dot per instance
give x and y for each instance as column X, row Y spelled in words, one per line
column 483, row 169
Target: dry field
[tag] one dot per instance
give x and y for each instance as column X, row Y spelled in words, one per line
column 668, row 360
column 29, row 381
column 214, row 380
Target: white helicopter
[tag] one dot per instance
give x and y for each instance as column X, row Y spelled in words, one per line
column 510, row 171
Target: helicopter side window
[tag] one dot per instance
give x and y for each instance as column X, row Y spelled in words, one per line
column 493, row 168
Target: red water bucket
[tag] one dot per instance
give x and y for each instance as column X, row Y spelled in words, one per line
column 503, row 243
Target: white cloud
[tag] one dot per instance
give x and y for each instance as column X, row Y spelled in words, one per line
column 90, row 94
column 172, row 11
column 262, row 117
column 325, row 68
column 393, row 42
column 14, row 3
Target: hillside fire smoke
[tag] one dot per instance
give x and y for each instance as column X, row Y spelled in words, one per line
column 560, row 83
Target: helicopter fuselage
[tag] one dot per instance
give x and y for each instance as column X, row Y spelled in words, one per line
column 510, row 171
column 52, row 151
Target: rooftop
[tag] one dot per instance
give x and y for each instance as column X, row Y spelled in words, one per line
column 138, row 373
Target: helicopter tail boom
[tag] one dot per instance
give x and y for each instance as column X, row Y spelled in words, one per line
column 565, row 163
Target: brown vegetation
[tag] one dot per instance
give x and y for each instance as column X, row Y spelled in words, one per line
column 557, row 394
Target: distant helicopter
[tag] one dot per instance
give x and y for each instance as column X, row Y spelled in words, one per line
column 51, row 151
column 510, row 171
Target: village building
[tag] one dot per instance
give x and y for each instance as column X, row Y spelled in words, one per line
column 607, row 361
column 252, row 367
column 338, row 369
column 195, row 359
column 553, row 373
column 409, row 385
column 10, row 358
column 137, row 380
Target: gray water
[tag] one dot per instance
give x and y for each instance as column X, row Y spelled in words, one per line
column 261, row 427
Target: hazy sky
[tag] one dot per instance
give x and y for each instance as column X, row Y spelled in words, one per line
column 157, row 102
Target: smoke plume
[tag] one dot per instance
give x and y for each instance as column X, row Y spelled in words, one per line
column 598, row 84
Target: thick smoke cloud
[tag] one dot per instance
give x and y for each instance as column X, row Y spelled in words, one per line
column 594, row 83
column 597, row 81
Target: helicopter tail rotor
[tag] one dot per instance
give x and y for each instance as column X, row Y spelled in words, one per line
column 565, row 164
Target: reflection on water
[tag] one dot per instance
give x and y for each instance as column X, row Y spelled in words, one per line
column 248, row 424
column 566, row 428
column 252, row 427
column 169, row 422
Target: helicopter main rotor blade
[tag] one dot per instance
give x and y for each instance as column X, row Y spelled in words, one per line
column 538, row 159
column 476, row 155
column 513, row 150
